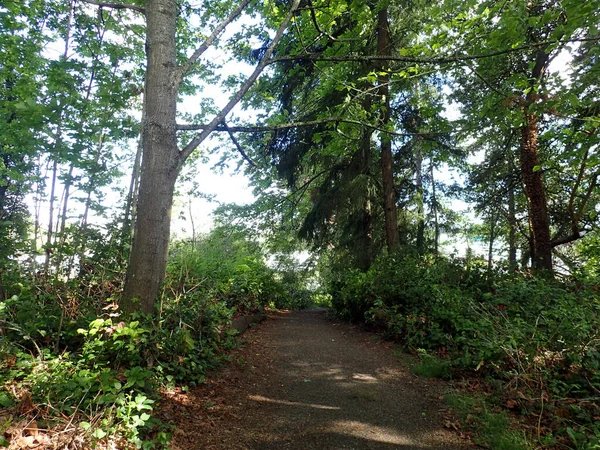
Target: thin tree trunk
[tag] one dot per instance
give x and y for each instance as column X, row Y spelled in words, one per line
column 60, row 238
column 132, row 196
column 81, row 238
column 493, row 219
column 420, row 201
column 51, row 215
column 37, row 202
column 57, row 145
column 387, row 160
column 435, row 211
column 512, row 216
column 192, row 222
column 366, row 259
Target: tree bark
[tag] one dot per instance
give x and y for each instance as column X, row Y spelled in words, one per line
column 160, row 162
column 536, row 196
column 532, row 175
column 387, row 160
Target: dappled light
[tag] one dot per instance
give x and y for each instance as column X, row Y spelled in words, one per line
column 260, row 398
column 373, row 433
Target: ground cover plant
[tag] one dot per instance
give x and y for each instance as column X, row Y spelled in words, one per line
column 76, row 372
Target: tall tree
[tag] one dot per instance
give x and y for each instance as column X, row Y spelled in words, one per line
column 528, row 93
column 162, row 158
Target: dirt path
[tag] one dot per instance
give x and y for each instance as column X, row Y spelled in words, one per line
column 305, row 382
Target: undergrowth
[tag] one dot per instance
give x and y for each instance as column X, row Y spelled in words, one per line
column 74, row 371
column 537, row 338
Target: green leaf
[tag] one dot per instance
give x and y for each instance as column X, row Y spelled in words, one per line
column 6, row 400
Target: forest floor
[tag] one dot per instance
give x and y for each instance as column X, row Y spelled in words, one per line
column 304, row 381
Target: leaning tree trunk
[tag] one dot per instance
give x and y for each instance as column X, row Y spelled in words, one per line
column 160, row 162
column 387, row 160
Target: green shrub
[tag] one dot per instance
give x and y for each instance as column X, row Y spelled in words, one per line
column 535, row 333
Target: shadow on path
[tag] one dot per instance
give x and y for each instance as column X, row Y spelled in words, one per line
column 327, row 385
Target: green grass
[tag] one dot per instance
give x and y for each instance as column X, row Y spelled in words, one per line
column 431, row 367
column 492, row 429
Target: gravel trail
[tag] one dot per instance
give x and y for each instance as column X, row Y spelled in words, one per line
column 305, row 382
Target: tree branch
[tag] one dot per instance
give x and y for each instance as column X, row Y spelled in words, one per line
column 565, row 239
column 424, row 60
column 116, row 6
column 571, row 207
column 237, row 144
column 198, row 139
column 488, row 84
column 286, row 126
column 183, row 70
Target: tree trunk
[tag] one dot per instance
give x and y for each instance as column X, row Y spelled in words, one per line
column 60, row 238
column 387, row 160
column 420, row 202
column 366, row 258
column 434, row 205
column 536, row 197
column 161, row 158
column 493, row 218
column 160, row 162
column 512, row 215
column 532, row 175
column 51, row 214
column 3, row 190
column 127, row 233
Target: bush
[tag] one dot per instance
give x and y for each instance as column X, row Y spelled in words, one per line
column 538, row 334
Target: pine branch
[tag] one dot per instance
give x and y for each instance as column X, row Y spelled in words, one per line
column 286, row 126
column 425, row 60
